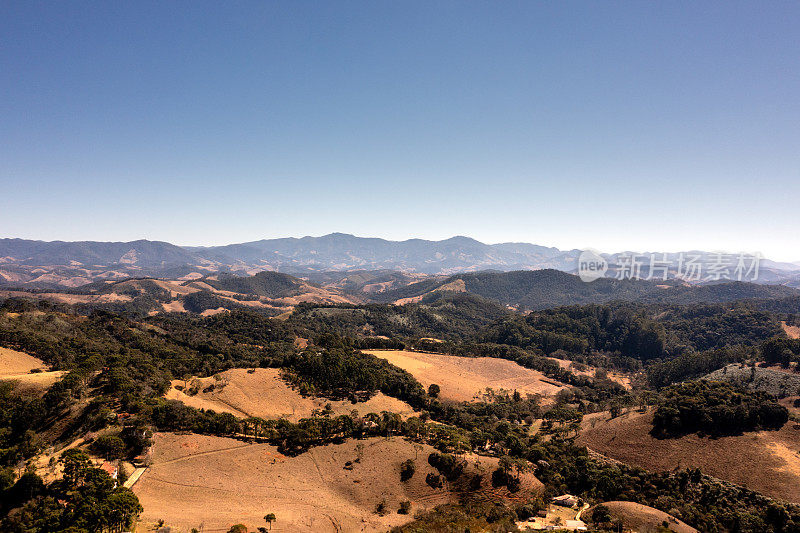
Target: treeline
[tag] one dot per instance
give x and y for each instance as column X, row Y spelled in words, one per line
column 296, row 438
column 689, row 365
column 716, row 409
column 673, row 343
column 642, row 332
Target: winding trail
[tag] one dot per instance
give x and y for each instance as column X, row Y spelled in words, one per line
column 578, row 516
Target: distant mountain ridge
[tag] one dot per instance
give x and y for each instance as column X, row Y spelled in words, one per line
column 339, row 251
column 143, row 253
column 27, row 262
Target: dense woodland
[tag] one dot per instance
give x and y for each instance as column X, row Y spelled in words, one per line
column 269, row 284
column 715, row 409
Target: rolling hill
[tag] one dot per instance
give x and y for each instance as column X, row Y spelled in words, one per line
column 773, row 466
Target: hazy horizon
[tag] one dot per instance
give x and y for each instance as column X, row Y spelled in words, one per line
column 613, row 126
column 561, row 248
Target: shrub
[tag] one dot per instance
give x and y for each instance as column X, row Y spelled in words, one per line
column 435, row 481
column 381, row 507
column 407, row 470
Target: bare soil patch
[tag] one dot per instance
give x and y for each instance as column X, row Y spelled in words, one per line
column 766, row 461
column 793, row 332
column 454, row 286
column 466, row 378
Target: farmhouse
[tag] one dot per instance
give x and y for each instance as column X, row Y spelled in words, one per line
column 565, row 500
column 109, row 469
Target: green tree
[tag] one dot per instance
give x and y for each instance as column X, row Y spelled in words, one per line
column 601, row 514
column 110, row 446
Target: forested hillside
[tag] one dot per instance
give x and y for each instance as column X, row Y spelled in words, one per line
column 544, row 289
column 269, row 284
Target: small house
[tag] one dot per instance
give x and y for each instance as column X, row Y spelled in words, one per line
column 565, row 500
column 109, row 469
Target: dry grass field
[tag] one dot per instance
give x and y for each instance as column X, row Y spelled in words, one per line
column 17, row 366
column 264, row 394
column 218, row 482
column 766, row 461
column 465, row 378
column 14, row 362
column 643, row 519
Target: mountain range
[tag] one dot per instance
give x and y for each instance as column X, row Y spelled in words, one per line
column 72, row 264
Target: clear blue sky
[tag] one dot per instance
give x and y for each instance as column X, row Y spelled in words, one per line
column 632, row 125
